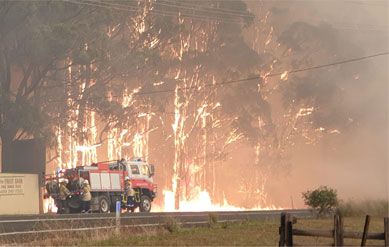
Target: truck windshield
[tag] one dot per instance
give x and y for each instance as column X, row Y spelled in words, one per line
column 134, row 169
column 144, row 170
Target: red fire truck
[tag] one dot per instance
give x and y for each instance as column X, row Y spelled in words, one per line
column 106, row 180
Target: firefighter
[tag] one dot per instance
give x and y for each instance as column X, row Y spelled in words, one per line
column 64, row 193
column 130, row 193
column 86, row 197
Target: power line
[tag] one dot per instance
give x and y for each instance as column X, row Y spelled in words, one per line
column 250, row 78
column 359, row 2
column 204, row 9
column 163, row 13
column 357, row 25
column 204, row 17
column 348, row 25
column 182, row 6
column 363, row 31
column 211, row 8
column 367, row 4
column 271, row 75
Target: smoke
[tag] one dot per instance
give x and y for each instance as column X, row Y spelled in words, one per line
column 351, row 99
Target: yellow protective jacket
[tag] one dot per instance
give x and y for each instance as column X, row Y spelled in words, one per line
column 86, row 195
column 63, row 191
column 128, row 188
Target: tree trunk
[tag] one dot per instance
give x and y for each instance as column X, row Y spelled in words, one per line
column 177, row 196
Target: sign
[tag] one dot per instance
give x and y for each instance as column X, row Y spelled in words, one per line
column 11, row 185
column 118, row 211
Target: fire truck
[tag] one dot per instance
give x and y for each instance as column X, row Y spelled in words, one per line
column 107, row 182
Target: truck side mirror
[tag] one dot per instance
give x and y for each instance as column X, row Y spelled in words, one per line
column 152, row 170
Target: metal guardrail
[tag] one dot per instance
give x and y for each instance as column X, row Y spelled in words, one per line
column 107, row 227
column 21, row 226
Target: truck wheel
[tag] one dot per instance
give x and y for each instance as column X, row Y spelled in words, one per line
column 62, row 207
column 145, row 204
column 112, row 208
column 66, row 210
column 104, row 204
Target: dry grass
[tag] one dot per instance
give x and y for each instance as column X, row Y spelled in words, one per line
column 239, row 234
column 362, row 208
column 247, row 233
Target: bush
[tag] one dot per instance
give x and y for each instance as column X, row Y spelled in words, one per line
column 323, row 199
column 212, row 219
column 172, row 225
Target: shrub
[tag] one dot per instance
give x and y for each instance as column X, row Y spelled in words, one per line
column 172, row 225
column 212, row 219
column 323, row 199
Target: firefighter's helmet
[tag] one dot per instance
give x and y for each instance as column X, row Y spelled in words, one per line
column 127, row 178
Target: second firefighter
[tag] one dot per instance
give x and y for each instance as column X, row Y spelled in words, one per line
column 86, row 197
column 130, row 193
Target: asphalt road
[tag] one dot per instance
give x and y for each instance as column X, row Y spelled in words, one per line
column 39, row 224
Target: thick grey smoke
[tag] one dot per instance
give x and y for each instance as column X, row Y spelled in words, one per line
column 355, row 162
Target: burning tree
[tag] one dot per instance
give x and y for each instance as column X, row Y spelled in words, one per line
column 162, row 80
column 291, row 108
column 34, row 42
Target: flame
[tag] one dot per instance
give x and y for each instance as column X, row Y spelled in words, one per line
column 193, row 168
column 284, row 76
column 87, row 148
column 49, row 205
column 201, row 202
column 304, row 112
column 138, row 145
column 158, row 83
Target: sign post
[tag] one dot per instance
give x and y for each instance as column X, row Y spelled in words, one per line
column 118, row 211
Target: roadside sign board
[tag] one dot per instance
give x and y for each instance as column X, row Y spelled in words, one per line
column 11, row 185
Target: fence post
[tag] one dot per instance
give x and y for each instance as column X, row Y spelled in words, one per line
column 118, row 211
column 338, row 230
column 289, row 230
column 386, row 230
column 365, row 230
column 335, row 231
column 341, row 231
column 281, row 230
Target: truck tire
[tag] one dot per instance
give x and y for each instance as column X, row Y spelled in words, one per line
column 104, row 204
column 66, row 210
column 74, row 204
column 145, row 204
column 112, row 208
